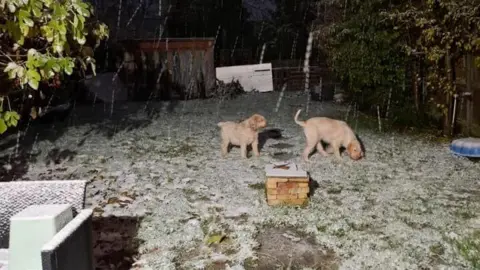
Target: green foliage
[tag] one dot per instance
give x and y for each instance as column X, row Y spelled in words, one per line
column 365, row 57
column 469, row 249
column 442, row 31
column 364, row 51
column 439, row 27
column 7, row 119
column 39, row 40
column 372, row 48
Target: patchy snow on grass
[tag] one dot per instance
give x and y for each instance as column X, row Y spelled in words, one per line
column 409, row 204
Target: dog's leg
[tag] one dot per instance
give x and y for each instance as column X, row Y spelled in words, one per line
column 255, row 148
column 336, row 151
column 307, row 151
column 225, row 144
column 243, row 150
column 311, row 141
column 321, row 150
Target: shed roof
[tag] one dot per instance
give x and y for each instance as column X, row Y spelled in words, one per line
column 172, row 44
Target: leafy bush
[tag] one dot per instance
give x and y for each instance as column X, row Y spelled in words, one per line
column 365, row 53
column 377, row 44
column 441, row 32
column 41, row 40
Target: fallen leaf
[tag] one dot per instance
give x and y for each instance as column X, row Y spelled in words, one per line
column 113, row 200
column 131, row 196
column 215, row 239
column 98, row 210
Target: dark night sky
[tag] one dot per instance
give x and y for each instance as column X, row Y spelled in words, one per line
column 259, row 8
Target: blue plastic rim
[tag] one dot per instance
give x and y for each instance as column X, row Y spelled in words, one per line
column 466, row 147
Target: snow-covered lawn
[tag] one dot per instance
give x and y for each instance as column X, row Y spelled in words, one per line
column 409, row 205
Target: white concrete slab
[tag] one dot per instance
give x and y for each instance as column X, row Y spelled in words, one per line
column 293, row 170
column 252, row 77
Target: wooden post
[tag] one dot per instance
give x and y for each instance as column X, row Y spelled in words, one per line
column 415, row 85
column 469, row 80
column 448, row 96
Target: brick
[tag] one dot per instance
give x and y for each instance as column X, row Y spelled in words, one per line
column 291, row 201
column 287, row 185
column 298, row 179
column 304, row 190
column 274, row 202
column 283, row 197
column 277, row 179
column 291, row 184
column 271, row 184
column 272, row 191
column 302, row 185
column 289, row 191
column 293, row 191
column 272, row 197
column 302, row 195
column 282, row 185
column 287, row 197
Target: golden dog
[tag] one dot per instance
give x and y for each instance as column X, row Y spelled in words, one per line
column 242, row 134
column 334, row 132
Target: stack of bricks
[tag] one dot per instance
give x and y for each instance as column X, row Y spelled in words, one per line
column 286, row 185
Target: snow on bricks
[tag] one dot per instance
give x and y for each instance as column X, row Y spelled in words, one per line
column 286, row 184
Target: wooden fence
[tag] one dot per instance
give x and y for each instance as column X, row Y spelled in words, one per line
column 292, row 73
column 468, row 101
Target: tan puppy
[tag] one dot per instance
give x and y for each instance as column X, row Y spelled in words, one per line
column 334, row 132
column 242, row 134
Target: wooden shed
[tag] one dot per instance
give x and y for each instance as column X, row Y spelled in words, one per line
column 174, row 68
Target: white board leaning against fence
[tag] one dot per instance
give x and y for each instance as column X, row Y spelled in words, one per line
column 251, row 77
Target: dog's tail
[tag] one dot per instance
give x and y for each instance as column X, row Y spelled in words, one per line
column 300, row 123
column 220, row 124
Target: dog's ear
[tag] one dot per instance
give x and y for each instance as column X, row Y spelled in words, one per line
column 252, row 123
column 351, row 147
column 255, row 120
column 261, row 121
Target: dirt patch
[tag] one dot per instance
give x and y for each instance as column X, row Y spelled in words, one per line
column 287, row 249
column 115, row 242
column 282, row 146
